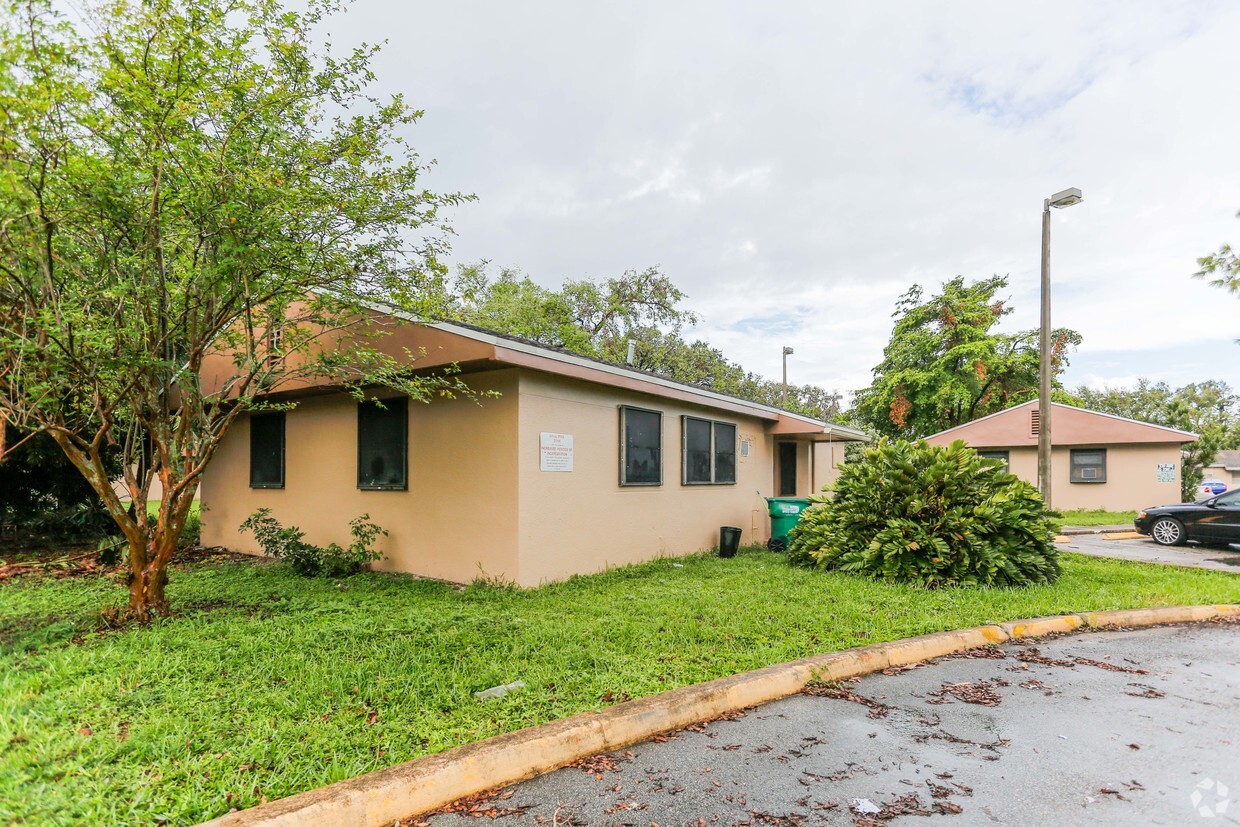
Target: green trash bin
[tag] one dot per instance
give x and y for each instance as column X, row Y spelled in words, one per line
column 785, row 513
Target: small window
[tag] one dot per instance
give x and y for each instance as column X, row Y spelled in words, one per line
column 383, row 445
column 709, row 452
column 641, row 447
column 1088, row 465
column 1002, row 456
column 267, row 450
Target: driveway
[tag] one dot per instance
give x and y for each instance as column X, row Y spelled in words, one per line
column 1105, row 728
column 1146, row 550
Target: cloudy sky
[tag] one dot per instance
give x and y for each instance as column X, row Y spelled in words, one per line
column 795, row 167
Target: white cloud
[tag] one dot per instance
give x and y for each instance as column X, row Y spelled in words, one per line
column 803, row 164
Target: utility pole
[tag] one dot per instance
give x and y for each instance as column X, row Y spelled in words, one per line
column 1059, row 200
column 784, row 397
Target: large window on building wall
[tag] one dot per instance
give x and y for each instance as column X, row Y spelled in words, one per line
column 641, row 446
column 383, row 445
column 708, row 452
column 267, row 450
column 1088, row 465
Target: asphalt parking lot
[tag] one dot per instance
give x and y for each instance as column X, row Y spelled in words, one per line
column 1103, row 728
column 1146, row 550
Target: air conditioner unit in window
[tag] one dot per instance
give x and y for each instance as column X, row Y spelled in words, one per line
column 1089, row 473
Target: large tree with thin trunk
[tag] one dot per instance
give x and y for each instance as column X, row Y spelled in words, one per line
column 948, row 364
column 601, row 319
column 182, row 178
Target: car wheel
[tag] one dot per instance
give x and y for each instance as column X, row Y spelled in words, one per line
column 1168, row 532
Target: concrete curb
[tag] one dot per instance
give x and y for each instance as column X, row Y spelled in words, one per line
column 1077, row 531
column 424, row 784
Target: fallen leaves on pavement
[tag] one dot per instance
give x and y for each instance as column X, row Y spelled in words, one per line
column 837, row 691
column 596, row 765
column 480, row 805
column 982, row 693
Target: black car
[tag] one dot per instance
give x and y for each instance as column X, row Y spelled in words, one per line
column 1213, row 521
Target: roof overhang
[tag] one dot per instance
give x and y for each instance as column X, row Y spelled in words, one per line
column 800, row 431
column 489, row 350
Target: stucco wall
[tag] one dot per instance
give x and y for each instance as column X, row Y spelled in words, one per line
column 828, row 456
column 1132, row 477
column 584, row 520
column 1229, row 478
column 458, row 518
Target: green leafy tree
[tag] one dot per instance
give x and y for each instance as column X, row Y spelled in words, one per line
column 1209, row 409
column 41, row 491
column 600, row 318
column 584, row 316
column 182, row 180
column 1222, row 268
column 946, row 364
column 930, row 514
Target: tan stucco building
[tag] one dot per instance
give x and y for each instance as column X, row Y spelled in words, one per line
column 573, row 466
column 1225, row 469
column 1098, row 461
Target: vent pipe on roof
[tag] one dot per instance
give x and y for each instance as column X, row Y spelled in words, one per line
column 632, row 352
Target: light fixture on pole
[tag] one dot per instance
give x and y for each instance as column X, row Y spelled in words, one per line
column 1065, row 198
column 787, row 353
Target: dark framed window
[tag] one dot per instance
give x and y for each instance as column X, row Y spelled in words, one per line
column 267, row 450
column 383, row 445
column 1002, row 456
column 708, row 452
column 1088, row 465
column 641, row 446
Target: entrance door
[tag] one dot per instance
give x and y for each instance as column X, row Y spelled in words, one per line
column 787, row 469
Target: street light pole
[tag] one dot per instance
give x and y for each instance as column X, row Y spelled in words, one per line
column 784, row 395
column 1059, row 200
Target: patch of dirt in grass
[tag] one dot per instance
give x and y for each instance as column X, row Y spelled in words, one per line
column 54, row 564
column 197, row 555
column 82, row 561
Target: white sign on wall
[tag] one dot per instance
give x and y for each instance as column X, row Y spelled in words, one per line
column 1166, row 472
column 555, row 452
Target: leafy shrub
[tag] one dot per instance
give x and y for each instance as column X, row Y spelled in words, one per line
column 44, row 496
column 308, row 560
column 191, row 533
column 934, row 515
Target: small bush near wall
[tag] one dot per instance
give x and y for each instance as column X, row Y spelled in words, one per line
column 935, row 515
column 289, row 544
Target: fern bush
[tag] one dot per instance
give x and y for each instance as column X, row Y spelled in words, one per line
column 939, row 516
column 289, row 545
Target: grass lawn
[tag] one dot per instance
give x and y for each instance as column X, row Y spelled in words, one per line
column 1089, row 518
column 268, row 684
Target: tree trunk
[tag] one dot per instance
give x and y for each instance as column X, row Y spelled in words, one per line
column 146, row 590
column 149, row 567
